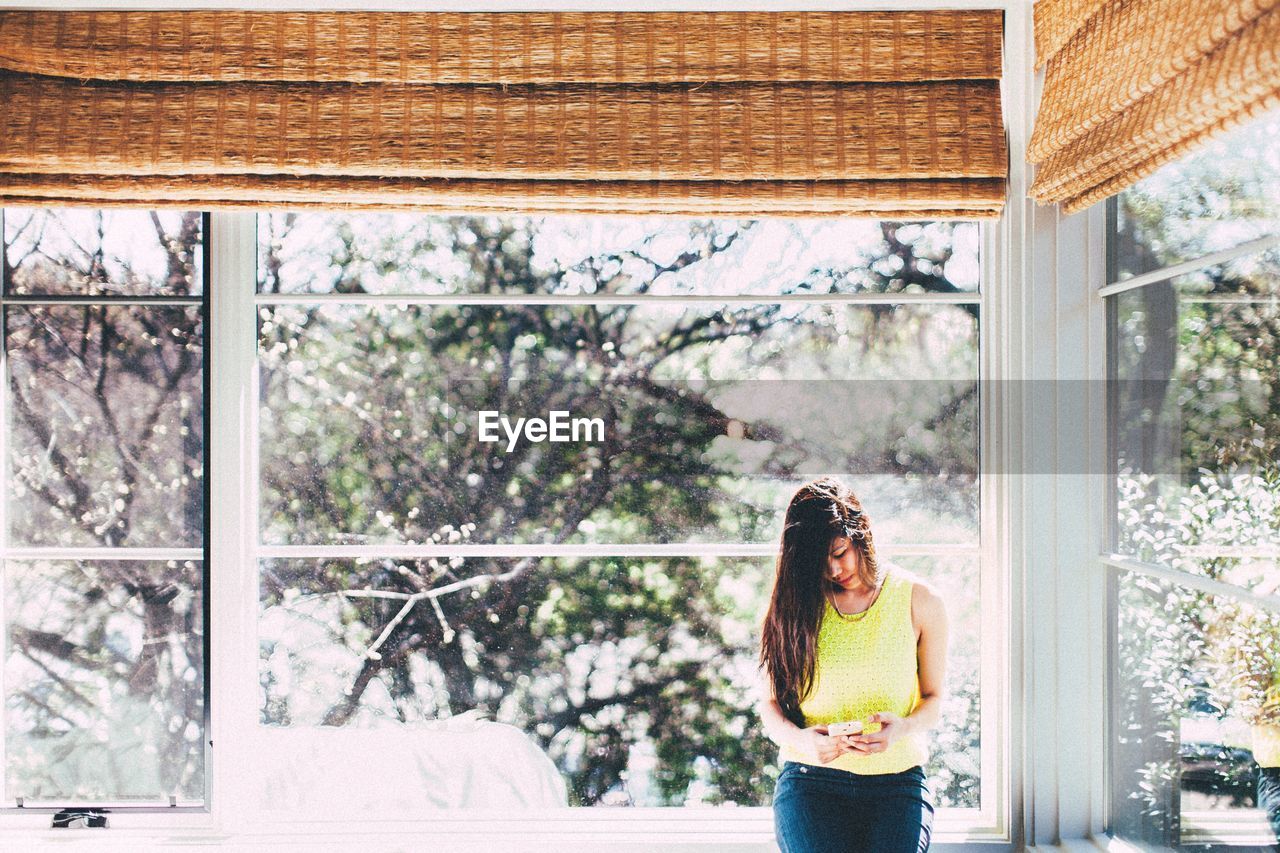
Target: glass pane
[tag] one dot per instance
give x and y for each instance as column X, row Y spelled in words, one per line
column 1198, row 409
column 103, row 252
column 104, row 682
column 1225, row 194
column 595, row 681
column 1196, row 738
column 709, row 418
column 413, row 253
column 105, row 425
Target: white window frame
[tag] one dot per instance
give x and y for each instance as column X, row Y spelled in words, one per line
column 1042, row 742
column 1238, row 826
column 26, row 814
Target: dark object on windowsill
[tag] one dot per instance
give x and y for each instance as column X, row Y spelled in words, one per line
column 80, row 818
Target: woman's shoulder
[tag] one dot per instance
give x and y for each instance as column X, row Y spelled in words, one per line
column 922, row 599
column 922, row 591
column 898, row 576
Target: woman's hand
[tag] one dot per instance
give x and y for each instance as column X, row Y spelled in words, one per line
column 824, row 746
column 892, row 727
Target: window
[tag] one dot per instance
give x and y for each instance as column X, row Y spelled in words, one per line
column 589, row 609
column 1194, row 330
column 104, row 316
column 582, row 613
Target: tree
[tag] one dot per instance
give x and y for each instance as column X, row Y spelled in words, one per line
column 597, row 656
column 629, row 672
column 1198, row 422
column 106, row 438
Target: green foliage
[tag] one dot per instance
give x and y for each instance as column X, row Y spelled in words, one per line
column 622, row 668
column 1199, row 487
column 634, row 674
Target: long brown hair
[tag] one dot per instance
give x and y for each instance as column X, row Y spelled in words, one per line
column 819, row 512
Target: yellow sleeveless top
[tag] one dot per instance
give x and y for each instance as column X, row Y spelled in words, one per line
column 866, row 665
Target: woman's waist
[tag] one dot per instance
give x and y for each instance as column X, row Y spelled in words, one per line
column 912, row 774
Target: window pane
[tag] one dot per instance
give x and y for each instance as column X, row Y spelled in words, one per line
column 1196, row 738
column 1225, row 194
column 412, row 253
column 1198, row 409
column 105, row 425
column 102, row 252
column 710, row 417
column 104, row 681
column 595, row 681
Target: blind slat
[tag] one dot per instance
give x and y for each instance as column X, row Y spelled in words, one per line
column 662, row 207
column 742, row 197
column 1145, row 82
column 513, row 47
column 1133, row 51
column 562, row 132
column 1057, row 22
column 886, row 114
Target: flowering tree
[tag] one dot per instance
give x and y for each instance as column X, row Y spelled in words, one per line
column 634, row 674
column 105, row 433
column 1198, row 429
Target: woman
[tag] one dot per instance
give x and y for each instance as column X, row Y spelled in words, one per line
column 847, row 638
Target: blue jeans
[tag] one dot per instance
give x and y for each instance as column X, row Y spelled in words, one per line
column 828, row 810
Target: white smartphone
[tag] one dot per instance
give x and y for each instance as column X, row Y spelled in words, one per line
column 852, row 727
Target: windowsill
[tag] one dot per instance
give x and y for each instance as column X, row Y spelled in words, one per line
column 1238, row 827
column 1244, row 829
column 749, row 832
column 409, row 839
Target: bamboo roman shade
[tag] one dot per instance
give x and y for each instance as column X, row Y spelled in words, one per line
column 1133, row 84
column 890, row 114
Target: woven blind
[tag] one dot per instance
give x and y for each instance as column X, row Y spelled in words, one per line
column 735, row 113
column 1133, row 84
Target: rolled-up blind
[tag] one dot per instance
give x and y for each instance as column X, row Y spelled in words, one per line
column 886, row 114
column 1133, row 84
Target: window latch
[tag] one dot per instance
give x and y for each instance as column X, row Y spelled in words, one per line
column 80, row 819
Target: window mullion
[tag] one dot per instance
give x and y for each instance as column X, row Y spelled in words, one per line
column 233, row 492
column 105, row 299
column 43, row 552
column 5, row 473
column 1208, row 585
column 397, row 299
column 1212, row 259
column 406, row 551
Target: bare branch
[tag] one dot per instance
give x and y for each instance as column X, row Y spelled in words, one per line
column 412, row 599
